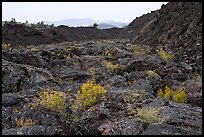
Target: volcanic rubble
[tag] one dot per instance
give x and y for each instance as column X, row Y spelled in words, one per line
column 126, row 62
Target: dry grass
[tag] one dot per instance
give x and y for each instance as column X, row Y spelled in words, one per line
column 24, row 122
column 149, row 115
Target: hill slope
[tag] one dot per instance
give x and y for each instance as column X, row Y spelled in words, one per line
column 18, row 34
column 176, row 26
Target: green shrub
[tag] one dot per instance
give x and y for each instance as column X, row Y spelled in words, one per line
column 129, row 96
column 58, row 79
column 14, row 88
column 140, row 51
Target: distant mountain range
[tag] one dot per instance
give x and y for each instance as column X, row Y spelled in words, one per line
column 74, row 22
column 105, row 26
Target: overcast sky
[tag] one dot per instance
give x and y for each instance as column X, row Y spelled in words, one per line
column 55, row 11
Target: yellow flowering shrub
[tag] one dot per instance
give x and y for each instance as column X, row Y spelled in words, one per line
column 87, row 95
column 178, row 96
column 51, row 99
column 164, row 55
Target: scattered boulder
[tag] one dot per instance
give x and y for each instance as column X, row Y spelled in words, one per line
column 11, row 76
column 32, row 130
column 117, row 81
column 137, row 65
column 123, row 61
column 143, row 85
column 166, row 129
column 124, row 126
column 195, row 99
column 11, row 99
column 6, row 117
column 180, row 114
